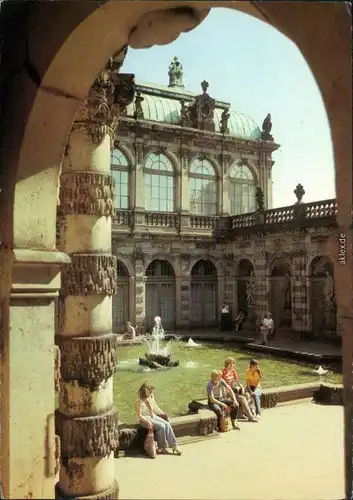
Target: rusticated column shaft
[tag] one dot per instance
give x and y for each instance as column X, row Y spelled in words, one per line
column 86, row 420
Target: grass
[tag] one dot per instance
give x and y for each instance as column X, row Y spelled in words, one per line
column 176, row 387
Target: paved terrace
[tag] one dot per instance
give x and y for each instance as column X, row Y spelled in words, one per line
column 294, row 453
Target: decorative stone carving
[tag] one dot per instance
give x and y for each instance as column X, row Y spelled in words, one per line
column 90, row 274
column 299, row 192
column 260, row 200
column 140, row 153
column 89, row 360
column 87, row 193
column 200, row 113
column 111, row 494
column 57, row 375
column 224, row 121
column 108, row 97
column 266, row 129
column 57, row 455
column 175, row 74
column 184, row 113
column 137, row 254
column 161, row 27
column 83, row 437
column 250, row 289
column 138, row 106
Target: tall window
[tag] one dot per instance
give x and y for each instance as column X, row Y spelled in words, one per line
column 203, row 187
column 241, row 190
column 159, row 183
column 119, row 166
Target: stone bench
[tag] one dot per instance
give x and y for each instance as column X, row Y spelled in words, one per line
column 132, row 437
column 329, row 394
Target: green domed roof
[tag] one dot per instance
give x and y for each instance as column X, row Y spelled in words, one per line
column 165, row 109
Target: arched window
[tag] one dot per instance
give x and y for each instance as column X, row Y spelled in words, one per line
column 159, row 183
column 241, row 190
column 119, row 166
column 203, row 187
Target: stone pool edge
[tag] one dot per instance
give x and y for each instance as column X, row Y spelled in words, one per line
column 203, row 424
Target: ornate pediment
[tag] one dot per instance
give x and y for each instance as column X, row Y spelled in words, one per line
column 200, row 113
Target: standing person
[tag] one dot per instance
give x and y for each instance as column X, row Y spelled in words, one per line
column 253, row 376
column 239, row 320
column 225, row 316
column 147, row 412
column 230, row 376
column 221, row 398
column 267, row 328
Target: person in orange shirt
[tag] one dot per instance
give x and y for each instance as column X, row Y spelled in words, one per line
column 230, row 376
column 253, row 376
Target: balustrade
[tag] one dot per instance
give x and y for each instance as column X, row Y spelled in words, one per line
column 162, row 220
column 203, row 221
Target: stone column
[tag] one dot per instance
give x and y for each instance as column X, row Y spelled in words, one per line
column 86, row 420
column 300, row 291
column 132, row 298
column 139, row 185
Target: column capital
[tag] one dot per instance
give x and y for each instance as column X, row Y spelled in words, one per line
column 109, row 95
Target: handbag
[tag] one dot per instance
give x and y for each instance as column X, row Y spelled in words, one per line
column 150, row 445
column 224, row 423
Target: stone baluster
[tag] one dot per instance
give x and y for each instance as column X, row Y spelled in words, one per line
column 86, row 420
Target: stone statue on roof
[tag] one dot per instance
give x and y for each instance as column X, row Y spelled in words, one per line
column 266, row 129
column 175, row 73
column 224, row 121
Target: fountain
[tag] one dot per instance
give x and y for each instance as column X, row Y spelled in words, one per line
column 157, row 356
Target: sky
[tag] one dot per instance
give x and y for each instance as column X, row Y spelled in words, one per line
column 259, row 71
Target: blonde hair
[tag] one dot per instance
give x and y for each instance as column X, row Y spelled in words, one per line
column 229, row 361
column 145, row 390
column 215, row 375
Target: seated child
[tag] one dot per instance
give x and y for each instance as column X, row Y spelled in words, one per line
column 253, row 376
column 221, row 398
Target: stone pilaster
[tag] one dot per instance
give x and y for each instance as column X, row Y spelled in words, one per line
column 262, row 280
column 29, row 284
column 86, row 420
column 140, row 291
column 184, row 291
column 300, row 291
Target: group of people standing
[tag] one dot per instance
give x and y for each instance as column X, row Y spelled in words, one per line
column 226, row 396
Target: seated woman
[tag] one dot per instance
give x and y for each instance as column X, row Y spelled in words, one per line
column 239, row 320
column 147, row 412
column 253, row 376
column 221, row 398
column 230, row 376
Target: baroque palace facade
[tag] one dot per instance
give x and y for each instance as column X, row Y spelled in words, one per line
column 194, row 223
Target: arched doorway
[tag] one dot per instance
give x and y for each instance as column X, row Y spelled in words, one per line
column 160, row 294
column 203, row 295
column 246, row 287
column 281, row 294
column 323, row 306
column 120, row 308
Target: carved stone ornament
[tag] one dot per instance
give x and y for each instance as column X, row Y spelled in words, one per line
column 57, row 375
column 108, row 97
column 87, row 193
column 161, row 27
column 57, row 454
column 110, row 494
column 90, row 274
column 83, row 437
column 89, row 360
column 201, row 110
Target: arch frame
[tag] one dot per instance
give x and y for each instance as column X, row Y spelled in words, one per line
column 128, row 264
column 126, row 150
column 160, row 258
column 285, row 261
column 209, row 258
column 326, row 257
column 210, row 159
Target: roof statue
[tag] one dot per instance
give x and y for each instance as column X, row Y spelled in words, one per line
column 266, row 129
column 224, row 121
column 299, row 192
column 175, row 73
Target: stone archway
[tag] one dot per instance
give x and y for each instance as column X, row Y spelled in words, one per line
column 281, row 294
column 160, row 294
column 203, row 295
column 43, row 95
column 323, row 307
column 121, row 301
column 246, row 288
